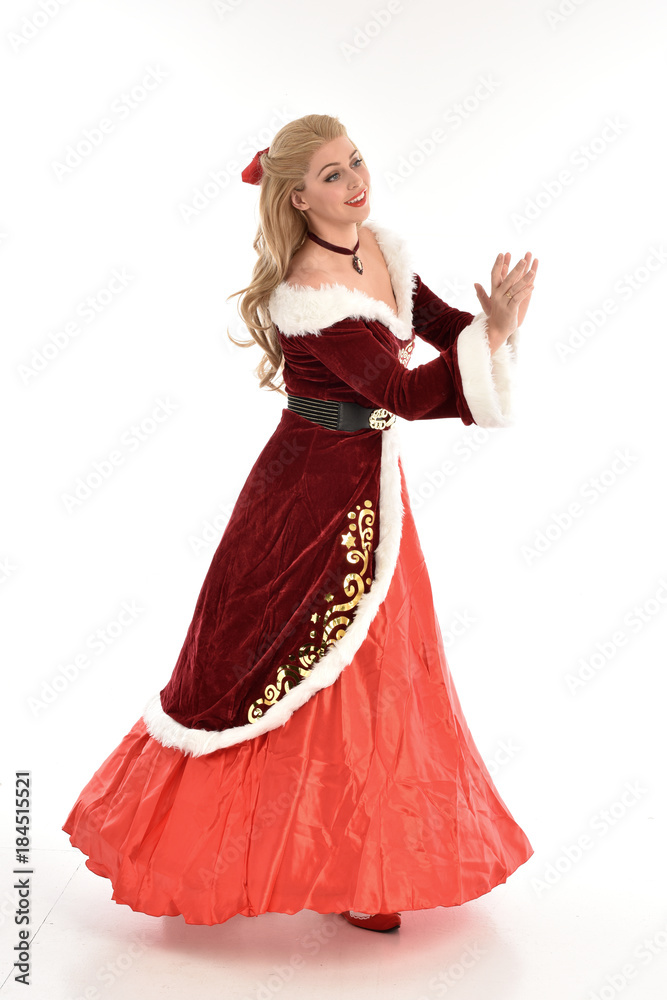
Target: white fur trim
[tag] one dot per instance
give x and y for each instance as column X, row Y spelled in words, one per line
column 202, row 741
column 488, row 379
column 300, row 309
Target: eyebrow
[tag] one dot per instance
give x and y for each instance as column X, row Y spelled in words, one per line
column 335, row 164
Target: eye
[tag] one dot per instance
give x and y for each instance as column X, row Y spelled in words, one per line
column 336, row 173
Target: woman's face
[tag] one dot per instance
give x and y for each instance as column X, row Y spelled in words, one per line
column 336, row 175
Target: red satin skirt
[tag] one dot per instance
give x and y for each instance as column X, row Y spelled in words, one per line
column 371, row 797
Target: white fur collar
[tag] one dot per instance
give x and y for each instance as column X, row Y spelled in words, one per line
column 301, row 309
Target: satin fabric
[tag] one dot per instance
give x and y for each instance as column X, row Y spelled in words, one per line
column 372, row 797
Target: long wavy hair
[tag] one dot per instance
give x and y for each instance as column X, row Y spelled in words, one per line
column 282, row 230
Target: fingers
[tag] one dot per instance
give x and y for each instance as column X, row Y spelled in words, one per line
column 500, row 271
column 500, row 268
column 518, row 269
column 521, row 290
column 524, row 285
column 519, row 281
column 533, row 266
column 517, row 273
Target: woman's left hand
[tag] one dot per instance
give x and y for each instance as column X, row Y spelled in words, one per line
column 521, row 283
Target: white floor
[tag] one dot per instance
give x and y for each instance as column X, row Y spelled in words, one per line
column 596, row 932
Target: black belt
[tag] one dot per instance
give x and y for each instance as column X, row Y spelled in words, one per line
column 340, row 416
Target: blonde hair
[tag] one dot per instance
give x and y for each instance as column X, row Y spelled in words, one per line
column 282, row 230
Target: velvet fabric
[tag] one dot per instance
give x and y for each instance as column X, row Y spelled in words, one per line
column 284, row 562
column 360, row 360
column 280, row 587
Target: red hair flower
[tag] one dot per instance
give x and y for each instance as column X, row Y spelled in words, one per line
column 253, row 172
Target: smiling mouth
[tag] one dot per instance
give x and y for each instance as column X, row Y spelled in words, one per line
column 359, row 200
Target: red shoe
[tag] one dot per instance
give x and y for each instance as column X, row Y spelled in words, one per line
column 373, row 921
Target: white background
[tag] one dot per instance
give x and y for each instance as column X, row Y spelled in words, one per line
column 225, row 77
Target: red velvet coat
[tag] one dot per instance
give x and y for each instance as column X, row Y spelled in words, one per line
column 308, row 553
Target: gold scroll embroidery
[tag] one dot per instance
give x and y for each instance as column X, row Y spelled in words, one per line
column 405, row 352
column 332, row 624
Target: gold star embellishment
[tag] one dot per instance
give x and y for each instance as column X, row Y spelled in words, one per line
column 348, row 539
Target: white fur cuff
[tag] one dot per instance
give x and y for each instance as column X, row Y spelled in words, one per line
column 487, row 378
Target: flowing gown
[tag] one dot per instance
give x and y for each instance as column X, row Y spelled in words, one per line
column 309, row 750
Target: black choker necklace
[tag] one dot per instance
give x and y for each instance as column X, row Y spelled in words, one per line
column 356, row 263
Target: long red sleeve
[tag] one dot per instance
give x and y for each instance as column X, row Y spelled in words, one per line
column 433, row 320
column 363, row 355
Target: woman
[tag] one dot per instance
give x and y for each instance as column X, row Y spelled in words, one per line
column 309, row 750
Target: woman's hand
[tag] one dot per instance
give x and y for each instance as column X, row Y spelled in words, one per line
column 507, row 312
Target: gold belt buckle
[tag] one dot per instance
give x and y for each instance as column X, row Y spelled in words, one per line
column 379, row 419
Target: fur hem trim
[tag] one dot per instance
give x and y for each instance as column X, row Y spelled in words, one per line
column 298, row 310
column 488, row 379
column 197, row 742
